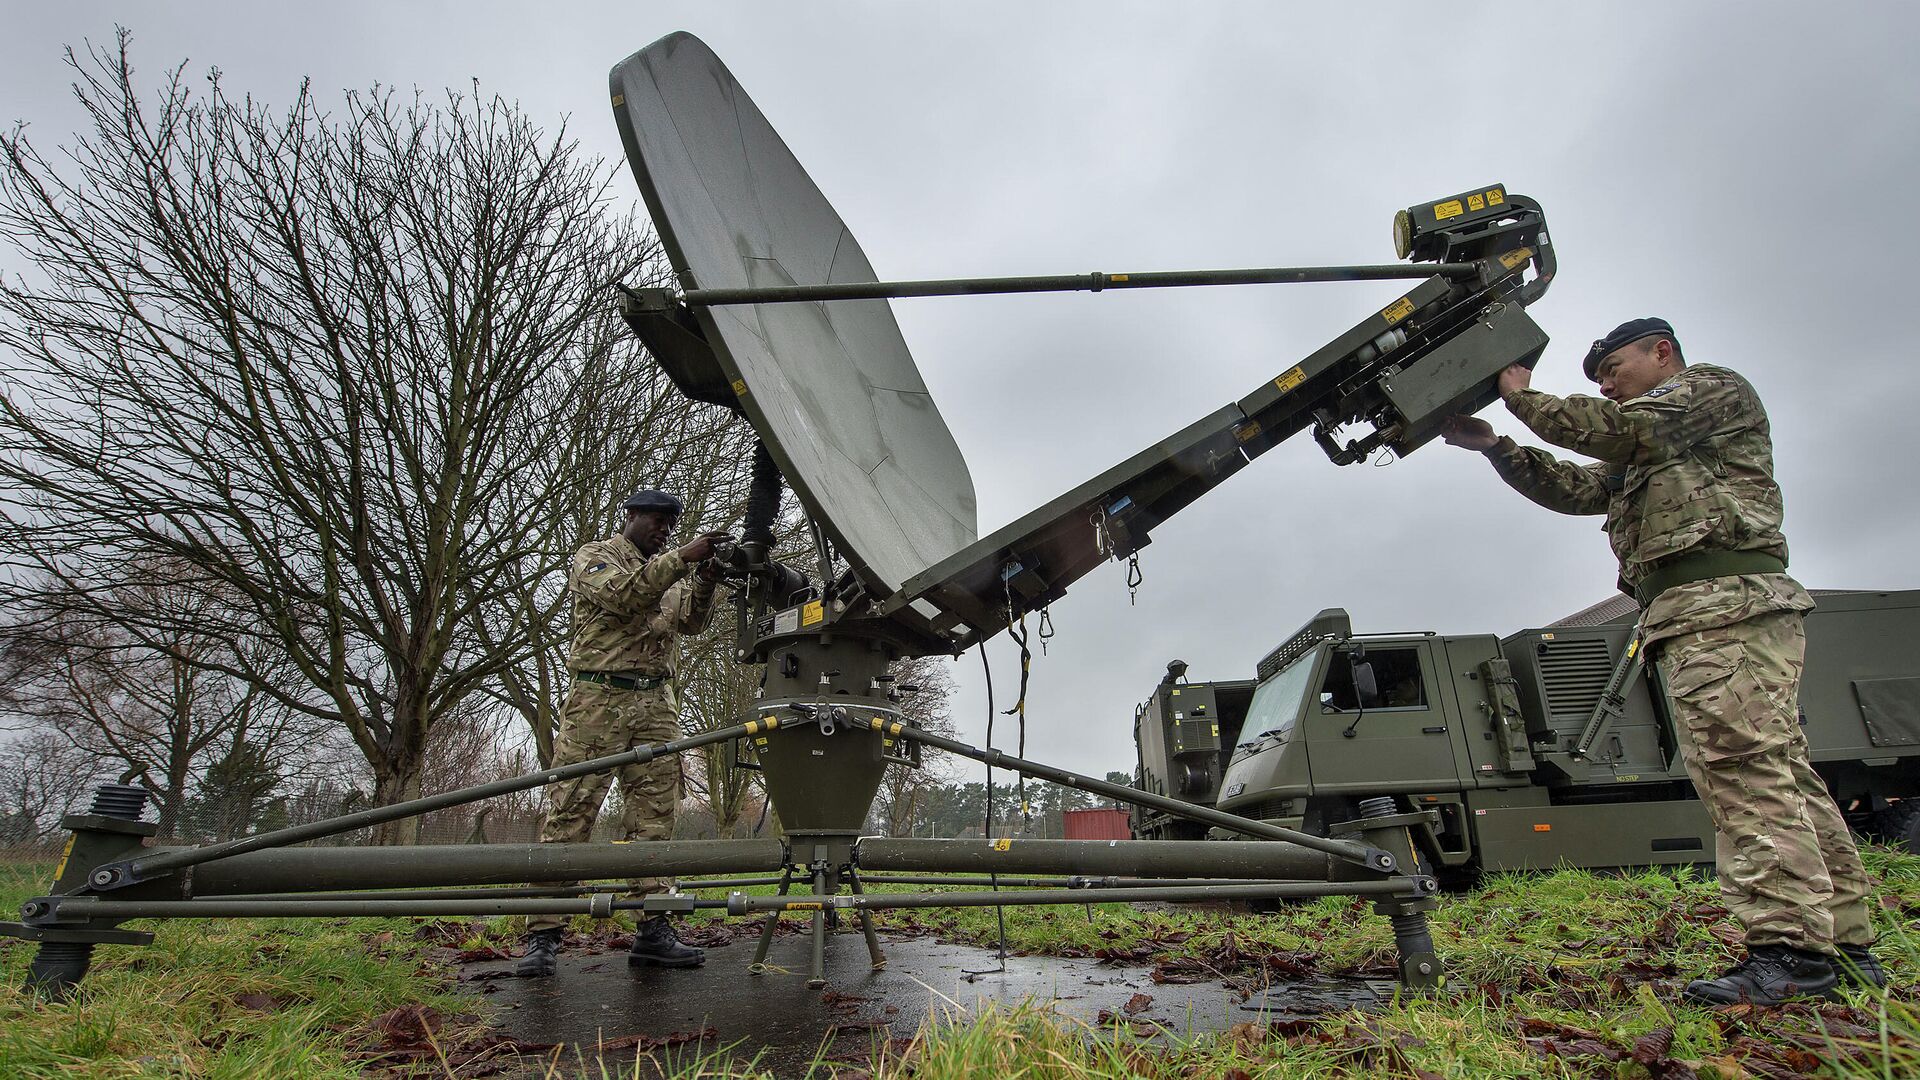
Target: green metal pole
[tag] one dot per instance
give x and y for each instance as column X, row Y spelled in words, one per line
column 599, row 905
column 447, row 866
column 1094, row 282
column 1246, row 860
column 743, row 904
column 116, row 875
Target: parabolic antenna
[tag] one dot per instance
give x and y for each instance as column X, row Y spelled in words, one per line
column 781, row 316
column 831, row 388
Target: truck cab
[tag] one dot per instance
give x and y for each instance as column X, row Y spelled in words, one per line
column 1552, row 746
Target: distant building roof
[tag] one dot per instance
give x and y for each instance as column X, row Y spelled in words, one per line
column 1620, row 608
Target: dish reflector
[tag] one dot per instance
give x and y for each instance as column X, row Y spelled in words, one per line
column 830, row 387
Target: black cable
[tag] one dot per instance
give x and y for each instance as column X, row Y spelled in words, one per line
column 1000, row 913
column 987, row 826
column 1018, row 632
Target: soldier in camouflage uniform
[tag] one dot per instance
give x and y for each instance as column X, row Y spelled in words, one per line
column 630, row 598
column 1685, row 479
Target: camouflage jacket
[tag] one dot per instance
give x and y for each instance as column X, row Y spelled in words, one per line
column 627, row 608
column 1685, row 468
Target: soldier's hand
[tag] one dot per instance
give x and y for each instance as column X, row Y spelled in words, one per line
column 1514, row 378
column 1468, row 431
column 701, row 549
column 711, row 570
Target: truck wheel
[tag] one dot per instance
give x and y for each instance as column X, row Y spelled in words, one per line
column 1899, row 825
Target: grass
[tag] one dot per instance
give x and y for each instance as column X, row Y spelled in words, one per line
column 1569, row 974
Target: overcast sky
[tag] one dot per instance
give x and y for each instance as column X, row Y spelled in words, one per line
column 1743, row 170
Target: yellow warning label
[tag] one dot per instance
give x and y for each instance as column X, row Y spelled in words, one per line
column 804, row 905
column 1398, row 310
column 65, row 854
column 1495, row 196
column 740, row 387
column 1116, row 277
column 1176, row 691
column 1449, row 209
column 1543, row 828
column 1476, row 202
column 1515, row 257
column 1546, row 637
column 1632, row 647
column 1216, row 731
column 619, row 100
column 1003, row 844
column 1247, row 430
column 812, row 613
column 1291, row 379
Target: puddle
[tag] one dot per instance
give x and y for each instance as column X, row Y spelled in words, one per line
column 596, row 998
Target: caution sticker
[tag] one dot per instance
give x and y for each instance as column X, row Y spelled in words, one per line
column 1243, row 433
column 740, row 387
column 812, row 612
column 1449, row 209
column 1291, row 379
column 1476, row 202
column 1397, row 310
column 1003, row 844
column 619, row 100
column 1495, row 197
column 65, row 854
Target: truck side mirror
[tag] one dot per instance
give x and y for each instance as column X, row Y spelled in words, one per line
column 1365, row 687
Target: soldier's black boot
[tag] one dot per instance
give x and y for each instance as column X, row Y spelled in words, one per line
column 1858, row 967
column 543, row 951
column 1770, row 975
column 654, row 943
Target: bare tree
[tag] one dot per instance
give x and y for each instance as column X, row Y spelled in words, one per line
column 717, row 690
column 904, row 791
column 154, row 710
column 42, row 777
column 333, row 363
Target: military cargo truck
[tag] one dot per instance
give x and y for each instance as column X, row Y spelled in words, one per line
column 1550, row 746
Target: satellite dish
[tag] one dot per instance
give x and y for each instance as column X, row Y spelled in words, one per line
column 795, row 326
column 831, row 388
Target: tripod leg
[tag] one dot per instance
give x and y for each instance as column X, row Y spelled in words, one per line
column 866, row 925
column 817, row 973
column 759, row 964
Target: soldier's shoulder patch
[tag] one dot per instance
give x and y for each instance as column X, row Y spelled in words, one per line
column 1662, row 391
column 596, row 568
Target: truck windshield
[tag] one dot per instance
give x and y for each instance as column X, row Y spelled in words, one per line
column 1276, row 702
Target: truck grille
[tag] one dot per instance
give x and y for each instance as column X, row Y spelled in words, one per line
column 1574, row 674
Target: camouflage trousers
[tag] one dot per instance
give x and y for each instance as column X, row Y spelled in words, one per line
column 1788, row 868
column 597, row 721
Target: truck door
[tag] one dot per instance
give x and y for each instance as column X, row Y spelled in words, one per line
column 1396, row 742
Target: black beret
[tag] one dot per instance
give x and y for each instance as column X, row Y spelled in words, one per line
column 646, row 499
column 1625, row 334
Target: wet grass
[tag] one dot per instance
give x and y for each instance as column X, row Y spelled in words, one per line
column 1569, row 974
column 217, row 999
